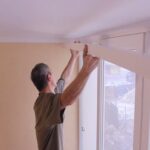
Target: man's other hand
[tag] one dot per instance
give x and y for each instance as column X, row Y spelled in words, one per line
column 74, row 53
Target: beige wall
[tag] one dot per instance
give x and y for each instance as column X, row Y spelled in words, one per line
column 17, row 95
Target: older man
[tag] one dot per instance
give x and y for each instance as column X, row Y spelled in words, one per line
column 50, row 105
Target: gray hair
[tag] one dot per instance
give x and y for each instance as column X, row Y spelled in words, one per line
column 39, row 75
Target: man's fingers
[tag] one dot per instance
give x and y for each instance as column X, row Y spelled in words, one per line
column 96, row 58
column 85, row 51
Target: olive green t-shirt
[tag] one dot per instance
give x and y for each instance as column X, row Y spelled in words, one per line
column 49, row 119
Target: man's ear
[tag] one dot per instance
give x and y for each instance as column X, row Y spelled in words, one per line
column 49, row 77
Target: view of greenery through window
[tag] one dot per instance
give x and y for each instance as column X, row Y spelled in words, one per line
column 119, row 101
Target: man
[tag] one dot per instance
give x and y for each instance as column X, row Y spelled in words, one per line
column 53, row 99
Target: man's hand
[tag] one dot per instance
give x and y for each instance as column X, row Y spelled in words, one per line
column 74, row 53
column 89, row 62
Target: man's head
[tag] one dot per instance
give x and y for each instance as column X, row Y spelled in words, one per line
column 42, row 77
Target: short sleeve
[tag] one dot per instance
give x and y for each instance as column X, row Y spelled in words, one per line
column 55, row 114
column 60, row 86
column 48, row 111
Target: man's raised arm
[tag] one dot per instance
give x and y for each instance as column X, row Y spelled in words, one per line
column 75, row 88
column 67, row 72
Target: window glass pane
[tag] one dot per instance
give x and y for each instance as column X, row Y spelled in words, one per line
column 119, row 101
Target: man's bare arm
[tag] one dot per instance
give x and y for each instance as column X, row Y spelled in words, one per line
column 75, row 88
column 67, row 72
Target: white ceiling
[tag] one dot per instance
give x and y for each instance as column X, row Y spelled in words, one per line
column 62, row 20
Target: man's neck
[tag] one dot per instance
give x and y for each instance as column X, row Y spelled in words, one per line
column 47, row 90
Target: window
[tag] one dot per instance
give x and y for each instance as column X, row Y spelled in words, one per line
column 119, row 102
column 121, row 111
